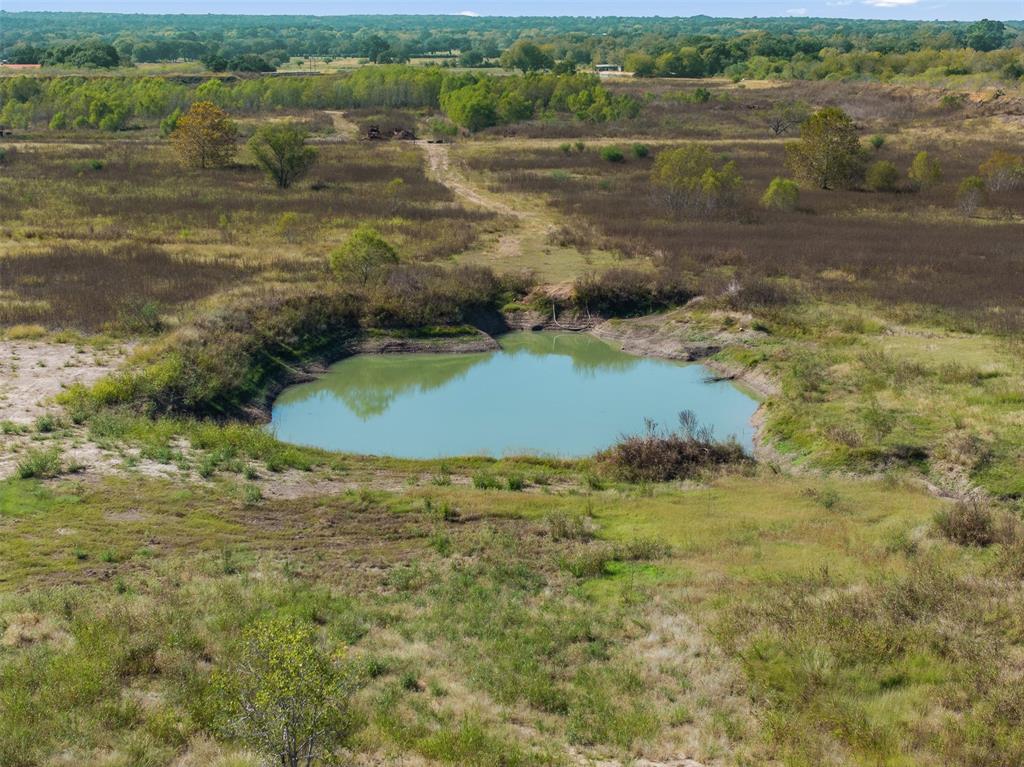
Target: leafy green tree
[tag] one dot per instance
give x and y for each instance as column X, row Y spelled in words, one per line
column 828, row 154
column 471, row 58
column 695, row 180
column 924, row 171
column 280, row 149
column 365, row 257
column 283, row 696
column 781, row 194
column 472, row 107
column 205, row 136
column 640, row 64
column 985, row 35
column 882, row 176
column 526, row 56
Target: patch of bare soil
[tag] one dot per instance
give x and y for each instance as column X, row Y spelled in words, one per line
column 32, row 373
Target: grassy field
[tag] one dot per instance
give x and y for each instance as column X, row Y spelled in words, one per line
column 853, row 597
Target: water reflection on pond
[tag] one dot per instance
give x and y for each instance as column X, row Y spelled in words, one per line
column 548, row 393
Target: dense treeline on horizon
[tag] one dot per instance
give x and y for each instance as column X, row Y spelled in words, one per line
column 801, row 48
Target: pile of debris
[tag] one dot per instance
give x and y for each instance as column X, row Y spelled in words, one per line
column 374, row 133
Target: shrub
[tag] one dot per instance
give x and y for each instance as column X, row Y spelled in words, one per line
column 624, row 292
column 612, row 154
column 641, row 150
column 140, row 316
column 952, row 101
column 882, row 176
column 566, row 148
column 365, row 256
column 924, row 171
column 1003, row 172
column 971, row 195
column 588, row 561
column 694, row 180
column 757, row 294
column 661, row 457
column 781, row 194
column 40, row 464
column 969, row 522
column 280, row 150
column 569, row 527
column 283, row 696
column 877, row 142
column 483, row 480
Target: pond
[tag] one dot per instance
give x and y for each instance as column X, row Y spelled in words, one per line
column 560, row 394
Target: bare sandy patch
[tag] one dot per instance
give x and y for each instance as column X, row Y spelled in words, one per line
column 32, row 373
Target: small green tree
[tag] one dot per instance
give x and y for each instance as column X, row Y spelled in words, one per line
column 694, row 180
column 169, row 123
column 364, row 257
column 781, row 194
column 882, row 176
column 924, row 172
column 971, row 195
column 877, row 141
column 280, row 149
column 283, row 696
column 828, row 154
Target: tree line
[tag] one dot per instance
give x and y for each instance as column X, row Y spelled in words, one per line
column 470, row 100
column 690, row 47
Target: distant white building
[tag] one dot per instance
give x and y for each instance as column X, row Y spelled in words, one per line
column 608, row 69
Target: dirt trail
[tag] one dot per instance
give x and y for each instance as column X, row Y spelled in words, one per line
column 439, row 164
column 510, row 246
column 345, row 129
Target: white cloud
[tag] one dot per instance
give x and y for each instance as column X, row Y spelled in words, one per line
column 840, row 3
column 891, row 3
column 796, row 12
column 467, row 13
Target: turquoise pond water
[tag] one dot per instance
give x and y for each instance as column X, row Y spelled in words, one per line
column 555, row 394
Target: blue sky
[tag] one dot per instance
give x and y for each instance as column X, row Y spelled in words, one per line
column 874, row 9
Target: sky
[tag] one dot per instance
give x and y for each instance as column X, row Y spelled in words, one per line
column 859, row 9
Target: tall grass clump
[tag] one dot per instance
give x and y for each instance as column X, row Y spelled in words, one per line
column 658, row 456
